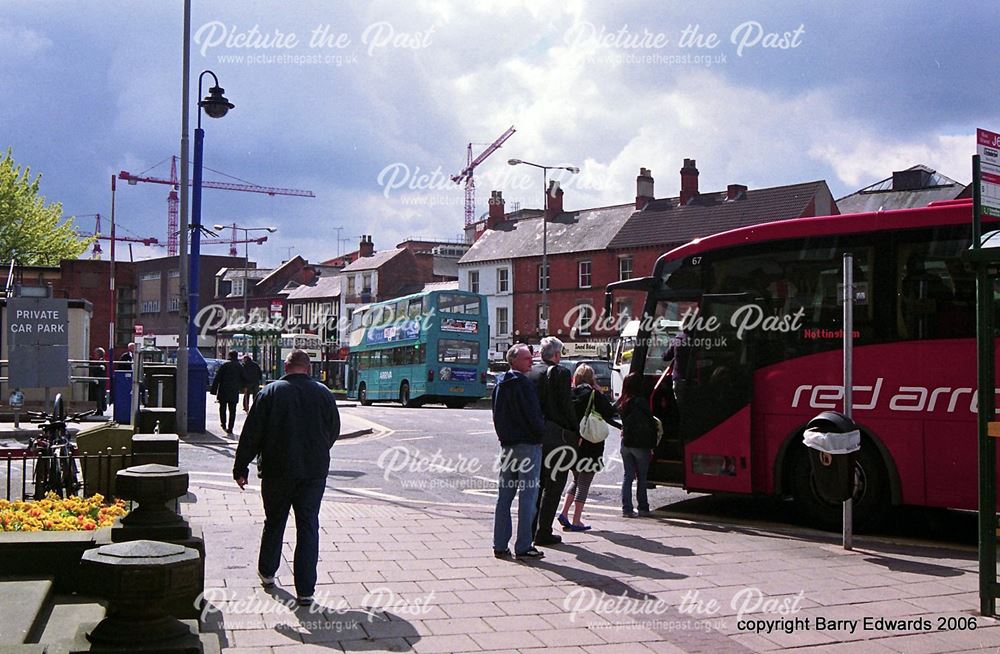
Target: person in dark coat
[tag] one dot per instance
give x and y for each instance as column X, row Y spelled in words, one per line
column 226, row 388
column 292, row 427
column 95, row 389
column 252, row 376
column 553, row 384
column 589, row 456
column 639, row 437
column 518, row 421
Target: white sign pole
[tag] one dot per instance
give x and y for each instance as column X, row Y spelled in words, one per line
column 848, row 323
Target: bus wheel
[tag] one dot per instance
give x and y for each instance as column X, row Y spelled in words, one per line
column 871, row 492
column 404, row 394
column 363, row 395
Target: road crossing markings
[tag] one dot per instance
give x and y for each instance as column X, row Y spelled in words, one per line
column 413, row 438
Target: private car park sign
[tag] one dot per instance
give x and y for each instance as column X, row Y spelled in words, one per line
column 38, row 342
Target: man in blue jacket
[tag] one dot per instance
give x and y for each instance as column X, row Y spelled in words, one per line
column 517, row 418
column 292, row 427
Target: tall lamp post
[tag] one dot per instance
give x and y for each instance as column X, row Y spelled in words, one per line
column 246, row 254
column 545, row 230
column 215, row 105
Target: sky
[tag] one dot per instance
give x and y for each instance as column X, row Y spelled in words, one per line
column 371, row 106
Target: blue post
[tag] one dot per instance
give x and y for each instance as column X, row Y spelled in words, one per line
column 197, row 370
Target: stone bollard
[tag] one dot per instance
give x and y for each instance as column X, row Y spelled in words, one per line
column 139, row 579
column 152, row 485
column 155, row 448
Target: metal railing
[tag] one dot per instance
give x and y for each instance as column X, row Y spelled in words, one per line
column 96, row 473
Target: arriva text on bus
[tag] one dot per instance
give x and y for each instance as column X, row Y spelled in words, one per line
column 747, row 318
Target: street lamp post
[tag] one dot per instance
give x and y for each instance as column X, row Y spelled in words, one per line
column 215, row 105
column 545, row 230
column 246, row 255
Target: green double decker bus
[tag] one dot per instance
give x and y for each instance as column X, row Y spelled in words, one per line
column 420, row 349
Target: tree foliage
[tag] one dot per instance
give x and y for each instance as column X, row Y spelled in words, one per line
column 32, row 232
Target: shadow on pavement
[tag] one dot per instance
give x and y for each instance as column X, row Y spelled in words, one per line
column 643, row 544
column 614, row 563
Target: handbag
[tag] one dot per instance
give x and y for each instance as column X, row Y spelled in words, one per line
column 592, row 426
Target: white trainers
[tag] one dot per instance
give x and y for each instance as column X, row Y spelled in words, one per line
column 265, row 581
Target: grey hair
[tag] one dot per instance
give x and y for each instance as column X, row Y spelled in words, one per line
column 550, row 346
column 514, row 349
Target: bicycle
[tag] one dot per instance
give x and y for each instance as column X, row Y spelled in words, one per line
column 55, row 467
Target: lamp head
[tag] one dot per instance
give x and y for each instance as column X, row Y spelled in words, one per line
column 513, row 162
column 218, row 226
column 271, row 229
column 215, row 103
column 572, row 169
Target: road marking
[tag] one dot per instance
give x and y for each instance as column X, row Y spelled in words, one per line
column 473, row 433
column 414, row 438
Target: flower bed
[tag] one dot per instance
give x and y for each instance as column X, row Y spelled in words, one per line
column 58, row 514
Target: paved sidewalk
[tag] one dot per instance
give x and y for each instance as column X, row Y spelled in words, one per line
column 405, row 578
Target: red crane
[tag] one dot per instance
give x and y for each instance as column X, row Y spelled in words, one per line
column 172, row 198
column 470, row 182
column 98, row 237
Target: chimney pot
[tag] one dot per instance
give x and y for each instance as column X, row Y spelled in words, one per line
column 367, row 248
column 689, row 182
column 643, row 188
column 554, row 199
column 496, row 213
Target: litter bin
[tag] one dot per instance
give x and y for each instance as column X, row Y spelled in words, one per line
column 833, row 441
column 122, row 396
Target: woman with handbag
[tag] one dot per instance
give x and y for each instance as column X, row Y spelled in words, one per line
column 587, row 400
column 639, row 437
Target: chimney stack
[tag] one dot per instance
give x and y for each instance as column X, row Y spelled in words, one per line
column 554, row 200
column 736, row 192
column 496, row 214
column 643, row 188
column 689, row 182
column 367, row 248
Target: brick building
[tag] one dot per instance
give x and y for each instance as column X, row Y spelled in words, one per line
column 89, row 279
column 590, row 248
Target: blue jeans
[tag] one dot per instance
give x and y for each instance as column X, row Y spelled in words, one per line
column 279, row 495
column 636, row 462
column 520, row 468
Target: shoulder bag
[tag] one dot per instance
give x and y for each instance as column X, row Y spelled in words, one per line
column 592, row 425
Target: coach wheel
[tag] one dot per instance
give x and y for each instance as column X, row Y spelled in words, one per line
column 363, row 395
column 404, row 393
column 871, row 492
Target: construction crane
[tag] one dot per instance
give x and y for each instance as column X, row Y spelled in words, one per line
column 98, row 237
column 172, row 198
column 467, row 176
column 259, row 240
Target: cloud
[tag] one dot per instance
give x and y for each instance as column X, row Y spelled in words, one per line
column 871, row 157
column 19, row 42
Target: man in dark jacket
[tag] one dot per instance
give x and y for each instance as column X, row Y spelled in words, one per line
column 517, row 418
column 292, row 427
column 251, row 380
column 226, row 387
column 552, row 383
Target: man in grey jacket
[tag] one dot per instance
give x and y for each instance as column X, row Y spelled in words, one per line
column 292, row 427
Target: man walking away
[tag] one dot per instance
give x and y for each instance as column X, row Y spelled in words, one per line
column 553, row 385
column 292, row 427
column 251, row 380
column 517, row 418
column 226, row 388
